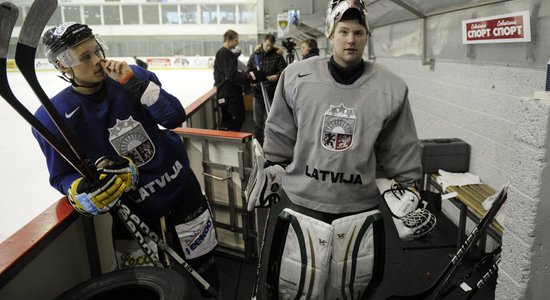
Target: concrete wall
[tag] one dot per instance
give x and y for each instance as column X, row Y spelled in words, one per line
column 483, row 94
column 525, row 271
column 489, row 108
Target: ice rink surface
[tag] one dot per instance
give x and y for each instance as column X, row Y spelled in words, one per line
column 24, row 178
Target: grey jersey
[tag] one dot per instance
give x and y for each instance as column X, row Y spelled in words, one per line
column 335, row 135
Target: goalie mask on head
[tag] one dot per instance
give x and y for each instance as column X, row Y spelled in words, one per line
column 336, row 10
column 58, row 42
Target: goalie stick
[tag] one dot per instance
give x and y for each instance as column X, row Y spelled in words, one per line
column 25, row 52
column 434, row 291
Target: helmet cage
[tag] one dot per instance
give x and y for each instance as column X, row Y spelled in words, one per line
column 68, row 59
column 337, row 8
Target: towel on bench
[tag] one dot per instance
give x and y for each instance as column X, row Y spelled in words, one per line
column 447, row 179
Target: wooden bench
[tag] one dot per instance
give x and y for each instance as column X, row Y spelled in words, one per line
column 469, row 201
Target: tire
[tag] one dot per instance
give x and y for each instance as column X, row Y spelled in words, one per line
column 142, row 283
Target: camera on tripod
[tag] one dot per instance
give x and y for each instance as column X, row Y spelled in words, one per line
column 289, row 45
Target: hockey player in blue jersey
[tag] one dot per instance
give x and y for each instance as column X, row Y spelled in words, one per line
column 114, row 110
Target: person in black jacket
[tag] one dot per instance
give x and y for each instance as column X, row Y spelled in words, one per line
column 228, row 80
column 271, row 61
column 141, row 63
column 309, row 48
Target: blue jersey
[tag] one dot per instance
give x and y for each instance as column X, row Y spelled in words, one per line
column 120, row 124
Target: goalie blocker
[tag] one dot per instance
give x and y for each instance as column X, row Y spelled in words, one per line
column 327, row 256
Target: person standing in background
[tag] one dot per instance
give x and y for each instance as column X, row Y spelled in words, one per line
column 240, row 65
column 141, row 63
column 268, row 58
column 309, row 48
column 228, row 81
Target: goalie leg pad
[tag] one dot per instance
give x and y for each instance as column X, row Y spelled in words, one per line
column 354, row 255
column 305, row 257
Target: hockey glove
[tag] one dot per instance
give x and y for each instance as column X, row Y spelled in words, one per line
column 116, row 176
column 258, row 75
column 411, row 221
column 401, row 200
column 264, row 184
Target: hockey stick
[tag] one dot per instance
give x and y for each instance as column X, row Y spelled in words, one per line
column 261, row 256
column 8, row 16
column 35, row 22
column 492, row 270
column 25, row 52
column 267, row 104
column 133, row 220
column 434, row 290
column 493, row 257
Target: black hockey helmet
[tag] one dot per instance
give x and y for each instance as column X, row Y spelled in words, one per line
column 59, row 39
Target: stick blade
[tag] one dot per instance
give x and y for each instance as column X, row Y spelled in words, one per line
column 8, row 16
column 35, row 22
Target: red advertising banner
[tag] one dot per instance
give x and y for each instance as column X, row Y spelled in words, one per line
column 508, row 28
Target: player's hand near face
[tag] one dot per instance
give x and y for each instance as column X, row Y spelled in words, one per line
column 117, row 70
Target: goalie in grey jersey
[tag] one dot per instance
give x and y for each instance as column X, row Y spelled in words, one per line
column 333, row 120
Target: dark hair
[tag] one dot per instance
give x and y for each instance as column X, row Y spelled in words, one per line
column 230, row 34
column 354, row 14
column 269, row 37
column 312, row 43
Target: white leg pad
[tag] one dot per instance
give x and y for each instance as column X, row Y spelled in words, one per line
column 305, row 260
column 352, row 255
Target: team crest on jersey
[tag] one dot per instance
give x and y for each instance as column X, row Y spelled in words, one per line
column 338, row 127
column 129, row 138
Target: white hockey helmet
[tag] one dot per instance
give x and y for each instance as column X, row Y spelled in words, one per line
column 337, row 8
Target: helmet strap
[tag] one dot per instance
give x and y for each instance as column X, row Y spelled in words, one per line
column 73, row 82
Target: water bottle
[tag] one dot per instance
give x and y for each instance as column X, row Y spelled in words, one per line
column 548, row 77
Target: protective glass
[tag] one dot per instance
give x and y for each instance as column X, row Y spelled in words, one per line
column 69, row 57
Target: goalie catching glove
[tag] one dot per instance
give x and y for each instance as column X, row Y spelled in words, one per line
column 411, row 220
column 264, row 184
column 117, row 175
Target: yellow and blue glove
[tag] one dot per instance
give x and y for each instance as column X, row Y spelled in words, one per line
column 117, row 175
